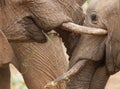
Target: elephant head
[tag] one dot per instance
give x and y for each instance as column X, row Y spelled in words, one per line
column 107, row 16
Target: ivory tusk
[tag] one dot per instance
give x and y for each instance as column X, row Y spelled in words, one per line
column 72, row 27
column 77, row 67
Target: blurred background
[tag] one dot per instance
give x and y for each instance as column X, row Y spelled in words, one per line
column 17, row 81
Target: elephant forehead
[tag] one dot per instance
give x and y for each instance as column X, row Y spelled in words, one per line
column 104, row 9
column 102, row 5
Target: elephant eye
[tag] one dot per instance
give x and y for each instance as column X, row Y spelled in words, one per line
column 94, row 18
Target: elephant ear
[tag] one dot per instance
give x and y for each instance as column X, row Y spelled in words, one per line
column 6, row 53
column 113, row 44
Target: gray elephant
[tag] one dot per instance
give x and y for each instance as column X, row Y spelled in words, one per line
column 23, row 23
column 96, row 57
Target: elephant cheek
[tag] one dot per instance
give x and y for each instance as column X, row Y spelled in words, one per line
column 50, row 22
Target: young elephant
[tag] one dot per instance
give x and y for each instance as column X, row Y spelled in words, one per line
column 102, row 49
column 107, row 18
column 102, row 14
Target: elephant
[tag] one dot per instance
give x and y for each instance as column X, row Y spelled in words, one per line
column 96, row 57
column 105, row 15
column 24, row 25
column 103, row 51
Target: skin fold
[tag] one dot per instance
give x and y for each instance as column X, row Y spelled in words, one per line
column 24, row 22
column 103, row 51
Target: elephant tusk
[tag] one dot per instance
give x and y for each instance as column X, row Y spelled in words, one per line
column 77, row 67
column 72, row 27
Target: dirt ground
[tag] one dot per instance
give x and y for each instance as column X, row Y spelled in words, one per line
column 18, row 83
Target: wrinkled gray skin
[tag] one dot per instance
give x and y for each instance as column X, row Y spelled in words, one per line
column 24, row 21
column 103, row 50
